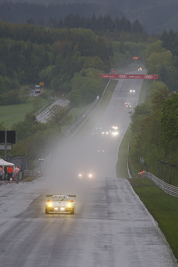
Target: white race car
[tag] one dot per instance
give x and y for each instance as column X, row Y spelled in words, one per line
column 86, row 175
column 60, row 204
column 114, row 130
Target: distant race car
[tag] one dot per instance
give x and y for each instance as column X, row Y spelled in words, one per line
column 114, row 130
column 140, row 69
column 100, row 131
column 106, row 131
column 86, row 175
column 132, row 91
column 127, row 105
column 60, row 204
column 97, row 131
column 100, row 150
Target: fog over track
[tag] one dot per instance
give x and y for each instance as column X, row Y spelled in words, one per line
column 110, row 227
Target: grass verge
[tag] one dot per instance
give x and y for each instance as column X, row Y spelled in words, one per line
column 163, row 208
column 121, row 167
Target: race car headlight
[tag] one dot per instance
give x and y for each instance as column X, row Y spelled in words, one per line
column 69, row 205
column 90, row 175
column 115, row 133
column 50, row 204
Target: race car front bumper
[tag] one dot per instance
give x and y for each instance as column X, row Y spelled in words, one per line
column 59, row 209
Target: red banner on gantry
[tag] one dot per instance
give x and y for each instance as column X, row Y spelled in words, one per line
column 129, row 76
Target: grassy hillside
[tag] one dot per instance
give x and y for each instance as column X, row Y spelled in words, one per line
column 14, row 113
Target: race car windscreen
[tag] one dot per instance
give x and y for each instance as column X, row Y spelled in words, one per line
column 58, row 198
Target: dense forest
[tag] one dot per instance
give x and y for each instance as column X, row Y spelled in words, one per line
column 39, row 13
column 155, row 16
column 30, row 54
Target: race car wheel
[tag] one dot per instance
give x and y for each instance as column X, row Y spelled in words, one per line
column 72, row 211
column 46, row 211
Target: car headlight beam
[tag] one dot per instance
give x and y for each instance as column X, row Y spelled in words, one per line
column 115, row 133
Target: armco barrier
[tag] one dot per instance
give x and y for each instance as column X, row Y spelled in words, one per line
column 88, row 112
column 167, row 188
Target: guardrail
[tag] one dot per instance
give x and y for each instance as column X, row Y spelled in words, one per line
column 167, row 188
column 86, row 115
column 82, row 118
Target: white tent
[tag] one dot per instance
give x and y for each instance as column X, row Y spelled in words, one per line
column 5, row 163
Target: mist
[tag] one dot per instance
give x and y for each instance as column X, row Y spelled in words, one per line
column 77, row 155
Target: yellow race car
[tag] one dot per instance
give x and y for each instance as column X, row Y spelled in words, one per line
column 60, row 204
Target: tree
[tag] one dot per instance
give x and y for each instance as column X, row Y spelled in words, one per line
column 47, row 74
column 155, row 47
column 170, row 41
column 59, row 116
column 27, row 127
column 90, row 90
column 36, row 103
column 168, row 74
column 137, row 27
column 169, row 119
column 88, row 84
column 74, row 98
column 139, row 113
column 2, row 127
column 19, row 149
column 156, row 60
column 24, row 93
